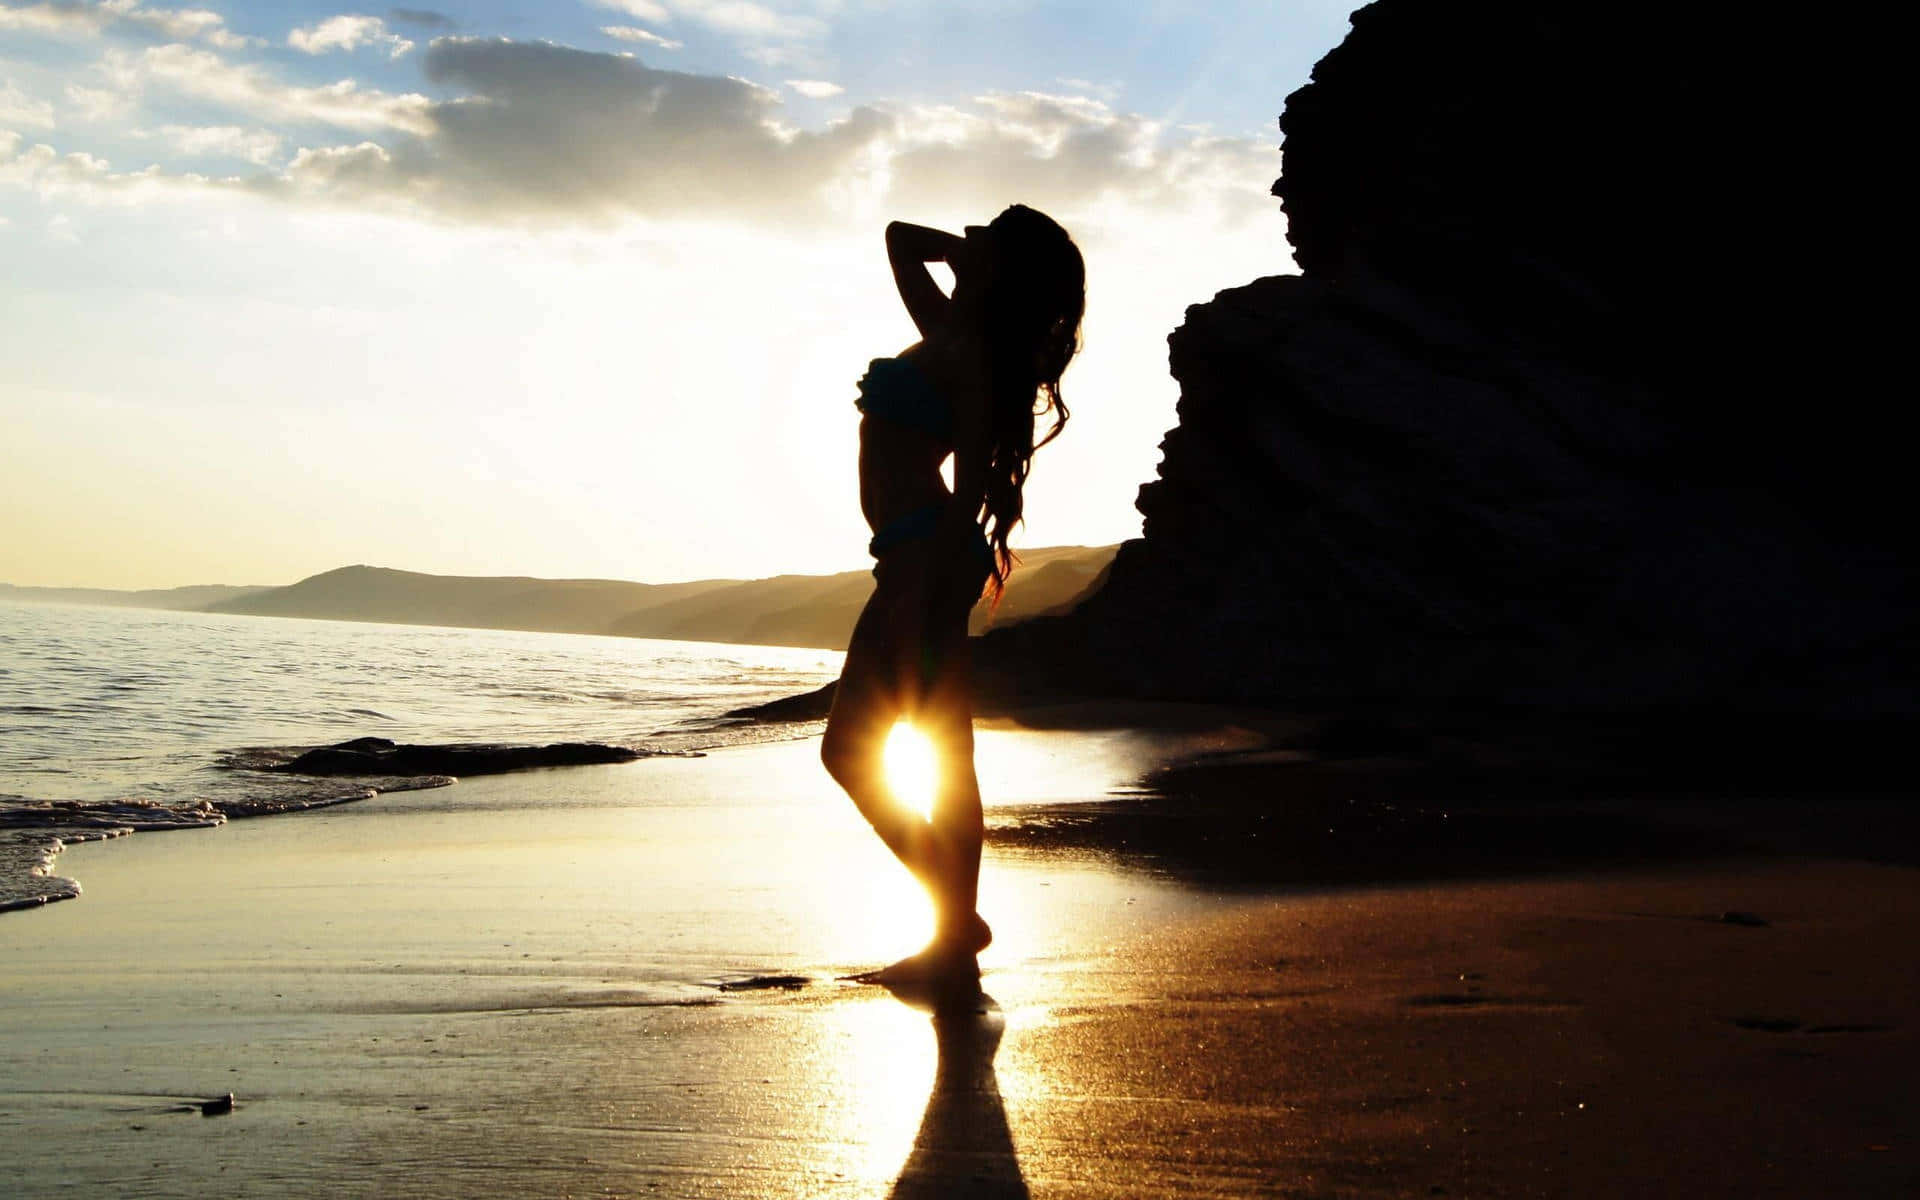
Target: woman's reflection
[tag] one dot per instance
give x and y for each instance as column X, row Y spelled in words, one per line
column 963, row 1147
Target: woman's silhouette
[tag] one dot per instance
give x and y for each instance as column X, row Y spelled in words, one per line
column 988, row 363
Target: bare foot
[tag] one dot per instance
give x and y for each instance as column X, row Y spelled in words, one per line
column 948, row 963
column 937, row 974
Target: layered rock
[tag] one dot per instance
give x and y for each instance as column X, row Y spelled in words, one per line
column 1534, row 425
column 376, row 756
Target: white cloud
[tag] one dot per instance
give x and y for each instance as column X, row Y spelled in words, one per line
column 98, row 104
column 544, row 134
column 1070, row 154
column 815, row 89
column 350, row 170
column 92, row 20
column 252, row 91
column 741, row 18
column 49, row 174
column 348, row 32
column 645, row 10
column 1105, row 91
column 633, row 33
column 257, row 146
column 555, row 135
column 19, row 109
column 746, row 18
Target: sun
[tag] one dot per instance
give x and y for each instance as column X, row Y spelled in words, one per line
column 911, row 770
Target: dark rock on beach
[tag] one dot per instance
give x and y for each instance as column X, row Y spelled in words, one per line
column 807, row 706
column 1539, row 424
column 379, row 756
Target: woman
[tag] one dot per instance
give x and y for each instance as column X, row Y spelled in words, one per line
column 988, row 363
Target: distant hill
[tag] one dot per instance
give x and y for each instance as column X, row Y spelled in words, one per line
column 362, row 593
column 198, row 596
column 819, row 610
column 786, row 610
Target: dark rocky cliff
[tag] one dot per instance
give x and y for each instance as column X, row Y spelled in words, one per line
column 1543, row 421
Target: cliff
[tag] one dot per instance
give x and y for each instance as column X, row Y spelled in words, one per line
column 1540, row 422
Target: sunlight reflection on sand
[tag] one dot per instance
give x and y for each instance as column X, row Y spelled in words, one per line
column 550, row 945
column 872, row 1070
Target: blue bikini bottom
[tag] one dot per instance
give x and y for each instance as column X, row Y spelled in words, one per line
column 922, row 523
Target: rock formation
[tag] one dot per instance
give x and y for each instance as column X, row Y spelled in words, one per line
column 375, row 756
column 1540, row 422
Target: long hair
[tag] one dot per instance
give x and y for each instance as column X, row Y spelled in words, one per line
column 1031, row 322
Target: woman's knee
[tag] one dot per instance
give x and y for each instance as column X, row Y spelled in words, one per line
column 847, row 758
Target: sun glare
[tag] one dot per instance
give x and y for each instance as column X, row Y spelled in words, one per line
column 910, row 768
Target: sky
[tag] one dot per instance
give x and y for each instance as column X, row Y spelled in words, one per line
column 577, row 288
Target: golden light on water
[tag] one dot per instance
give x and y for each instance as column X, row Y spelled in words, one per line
column 911, row 769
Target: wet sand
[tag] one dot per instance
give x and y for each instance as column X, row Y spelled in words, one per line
column 513, row 987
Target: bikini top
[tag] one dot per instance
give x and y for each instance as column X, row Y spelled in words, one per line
column 893, row 389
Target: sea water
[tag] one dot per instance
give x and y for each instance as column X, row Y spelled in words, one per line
column 100, row 706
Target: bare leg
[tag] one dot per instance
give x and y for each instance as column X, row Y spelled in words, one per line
column 958, row 827
column 905, row 659
column 871, row 696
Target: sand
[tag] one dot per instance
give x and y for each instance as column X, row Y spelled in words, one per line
column 512, row 987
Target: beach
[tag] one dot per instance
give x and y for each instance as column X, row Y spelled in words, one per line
column 515, row 986
column 1445, row 736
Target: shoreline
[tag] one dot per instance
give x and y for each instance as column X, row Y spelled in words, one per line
column 1351, row 801
column 523, row 984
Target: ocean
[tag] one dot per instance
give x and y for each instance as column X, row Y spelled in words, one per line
column 104, row 705
column 134, row 719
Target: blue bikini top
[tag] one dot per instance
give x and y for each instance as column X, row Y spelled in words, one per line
column 893, row 389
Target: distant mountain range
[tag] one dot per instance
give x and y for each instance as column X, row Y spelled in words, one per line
column 786, row 610
column 186, row 599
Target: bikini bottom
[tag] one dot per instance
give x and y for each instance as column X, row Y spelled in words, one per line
column 918, row 525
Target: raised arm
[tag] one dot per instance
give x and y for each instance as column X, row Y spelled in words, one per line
column 910, row 248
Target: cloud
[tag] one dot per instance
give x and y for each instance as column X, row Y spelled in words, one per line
column 551, row 133
column 366, row 167
column 740, row 18
column 253, row 92
column 1106, row 91
column 420, row 18
column 542, row 134
column 348, row 32
column 98, row 104
column 92, row 20
column 50, row 174
column 748, row 19
column 257, row 146
column 646, row 10
column 633, row 33
column 21, row 110
column 1069, row 154
column 815, row 89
